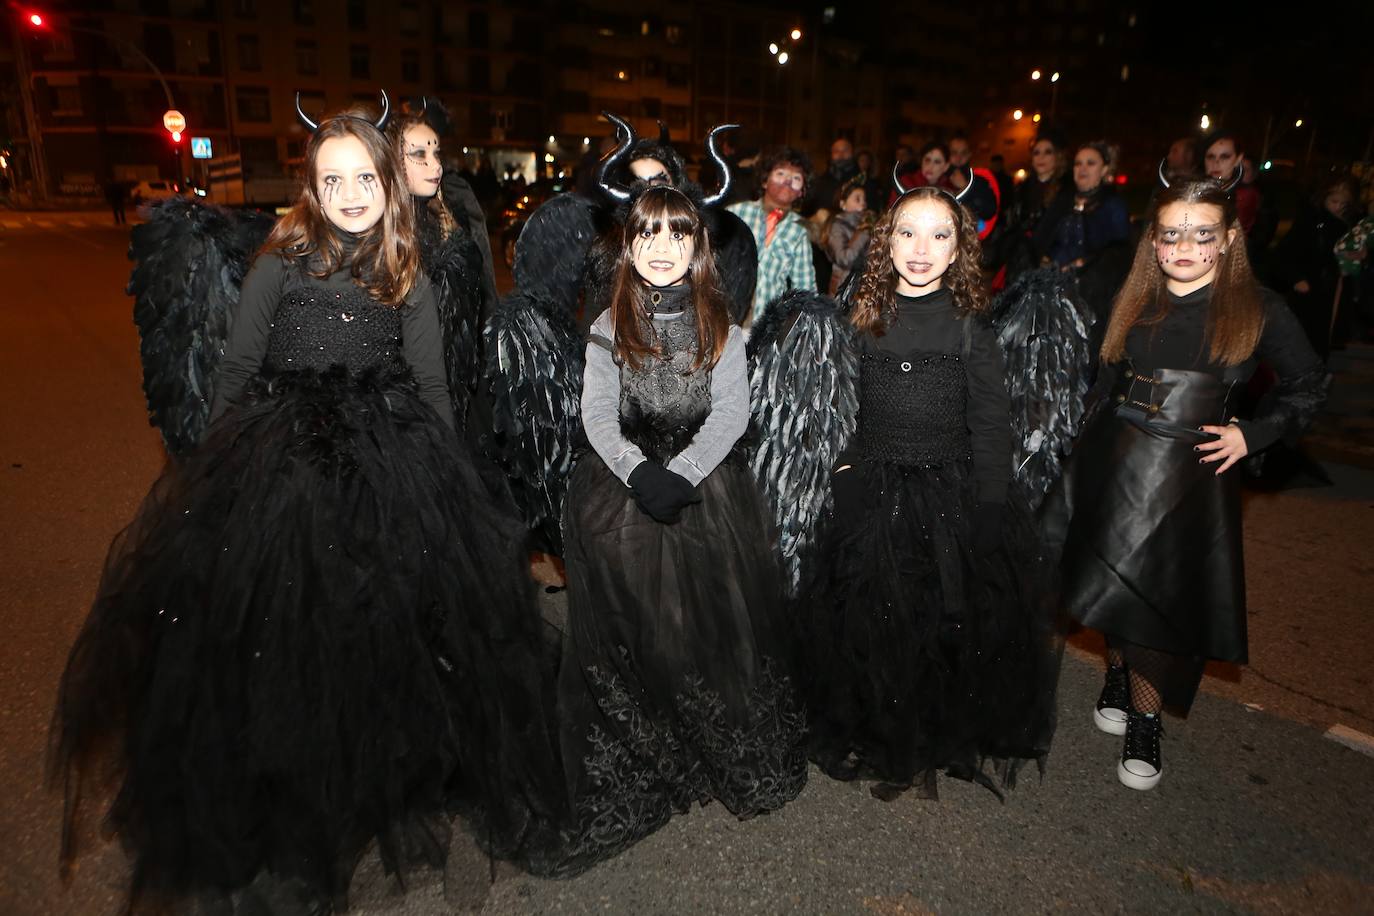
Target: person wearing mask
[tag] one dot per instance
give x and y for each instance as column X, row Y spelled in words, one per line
column 784, row 246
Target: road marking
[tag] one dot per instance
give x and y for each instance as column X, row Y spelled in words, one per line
column 1356, row 741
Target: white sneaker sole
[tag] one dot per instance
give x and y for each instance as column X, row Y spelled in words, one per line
column 1105, row 723
column 1135, row 781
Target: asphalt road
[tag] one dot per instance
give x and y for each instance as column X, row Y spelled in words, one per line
column 1259, row 811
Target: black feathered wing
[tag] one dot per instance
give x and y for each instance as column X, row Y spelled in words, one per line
column 455, row 271
column 1045, row 330
column 189, row 260
column 737, row 259
column 534, row 360
column 804, row 405
column 551, row 253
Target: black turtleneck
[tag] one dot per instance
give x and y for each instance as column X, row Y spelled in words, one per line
column 933, row 324
column 1179, row 341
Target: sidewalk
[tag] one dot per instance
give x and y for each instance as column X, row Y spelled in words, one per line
column 1344, row 432
column 49, row 219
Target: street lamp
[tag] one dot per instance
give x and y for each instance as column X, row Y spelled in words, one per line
column 1017, row 115
column 1035, row 74
column 1205, row 122
column 1298, row 123
column 783, row 58
column 796, row 34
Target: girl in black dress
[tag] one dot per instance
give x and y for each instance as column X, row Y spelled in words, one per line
column 930, row 636
column 1149, row 508
column 675, row 685
column 316, row 632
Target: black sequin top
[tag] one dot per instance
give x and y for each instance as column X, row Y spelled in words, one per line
column 289, row 321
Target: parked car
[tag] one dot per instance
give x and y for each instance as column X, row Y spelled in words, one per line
column 514, row 216
column 156, row 189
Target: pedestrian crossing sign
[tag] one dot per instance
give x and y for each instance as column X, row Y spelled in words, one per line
column 200, row 148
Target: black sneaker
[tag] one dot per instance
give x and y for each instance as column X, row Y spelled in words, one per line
column 1140, row 766
column 1114, row 703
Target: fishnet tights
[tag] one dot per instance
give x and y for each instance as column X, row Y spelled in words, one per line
column 1148, row 669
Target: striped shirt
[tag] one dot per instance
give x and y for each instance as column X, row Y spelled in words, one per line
column 785, row 262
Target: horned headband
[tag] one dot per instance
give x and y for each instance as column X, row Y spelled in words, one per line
column 620, row 195
column 313, row 126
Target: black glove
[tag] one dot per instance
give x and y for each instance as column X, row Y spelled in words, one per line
column 660, row 493
column 987, row 529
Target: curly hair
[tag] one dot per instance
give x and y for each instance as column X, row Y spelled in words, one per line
column 784, row 155
column 875, row 302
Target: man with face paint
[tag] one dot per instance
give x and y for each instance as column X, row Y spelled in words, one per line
column 784, row 245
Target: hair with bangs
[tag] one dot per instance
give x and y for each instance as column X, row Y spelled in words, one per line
column 655, row 208
column 875, row 301
column 1235, row 313
column 386, row 260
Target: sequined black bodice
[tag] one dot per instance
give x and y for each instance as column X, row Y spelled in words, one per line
column 663, row 403
column 317, row 328
column 912, row 409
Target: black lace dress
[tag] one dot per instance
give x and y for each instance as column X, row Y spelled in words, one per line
column 675, row 685
column 316, row 632
column 923, row 654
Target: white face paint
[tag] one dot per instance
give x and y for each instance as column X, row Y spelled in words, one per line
column 650, row 170
column 924, row 243
column 663, row 258
column 421, row 157
column 1188, row 241
column 348, row 185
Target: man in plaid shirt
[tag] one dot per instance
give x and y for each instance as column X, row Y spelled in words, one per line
column 784, row 246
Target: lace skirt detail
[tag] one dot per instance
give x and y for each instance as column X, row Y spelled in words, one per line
column 676, row 686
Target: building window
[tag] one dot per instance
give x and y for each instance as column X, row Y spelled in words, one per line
column 307, row 57
column 357, row 14
column 675, row 34
column 303, row 12
column 410, row 65
column 254, row 104
column 245, row 9
column 677, row 74
column 250, row 57
column 408, row 17
column 359, row 62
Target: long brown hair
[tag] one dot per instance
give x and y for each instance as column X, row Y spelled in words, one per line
column 1235, row 314
column 656, row 208
column 875, row 302
column 396, row 131
column 386, row 261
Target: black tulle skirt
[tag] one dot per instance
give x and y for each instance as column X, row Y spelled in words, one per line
column 675, row 687
column 922, row 656
column 315, row 633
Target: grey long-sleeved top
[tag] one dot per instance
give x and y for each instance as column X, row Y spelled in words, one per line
column 727, row 422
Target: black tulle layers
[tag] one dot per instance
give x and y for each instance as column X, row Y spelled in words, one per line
column 675, row 687
column 924, row 656
column 313, row 634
